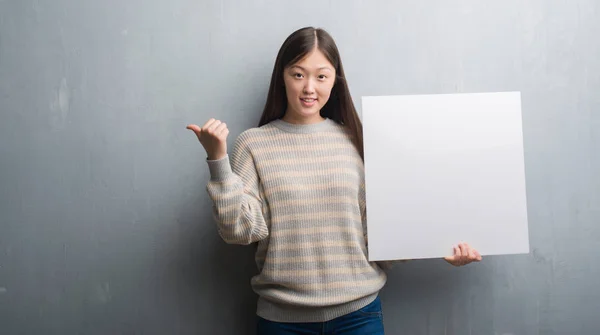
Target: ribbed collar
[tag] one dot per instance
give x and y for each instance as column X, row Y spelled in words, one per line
column 324, row 125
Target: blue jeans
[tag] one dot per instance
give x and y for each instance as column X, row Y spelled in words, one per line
column 367, row 320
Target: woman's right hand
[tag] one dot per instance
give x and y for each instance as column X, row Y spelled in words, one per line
column 213, row 137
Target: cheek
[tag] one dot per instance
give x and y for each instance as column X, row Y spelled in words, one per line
column 325, row 92
column 291, row 89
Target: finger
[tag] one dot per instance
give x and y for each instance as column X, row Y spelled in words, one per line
column 466, row 254
column 471, row 253
column 194, row 127
column 463, row 249
column 457, row 256
column 474, row 256
column 208, row 123
column 224, row 133
column 457, row 252
column 213, row 126
column 477, row 255
column 197, row 130
column 220, row 128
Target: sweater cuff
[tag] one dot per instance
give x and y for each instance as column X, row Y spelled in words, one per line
column 219, row 169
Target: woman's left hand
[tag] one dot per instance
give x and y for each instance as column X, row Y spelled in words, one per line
column 463, row 255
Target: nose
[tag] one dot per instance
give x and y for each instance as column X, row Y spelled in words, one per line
column 309, row 87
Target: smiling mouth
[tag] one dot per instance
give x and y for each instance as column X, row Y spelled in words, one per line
column 308, row 100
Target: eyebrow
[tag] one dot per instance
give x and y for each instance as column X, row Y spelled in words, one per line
column 303, row 69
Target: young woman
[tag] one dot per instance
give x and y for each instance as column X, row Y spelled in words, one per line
column 295, row 186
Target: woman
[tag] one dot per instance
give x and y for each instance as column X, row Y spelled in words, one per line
column 295, row 186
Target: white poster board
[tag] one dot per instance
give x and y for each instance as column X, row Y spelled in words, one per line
column 442, row 169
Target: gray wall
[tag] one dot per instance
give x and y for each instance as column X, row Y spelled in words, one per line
column 105, row 224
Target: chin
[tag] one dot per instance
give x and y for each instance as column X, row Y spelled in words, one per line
column 310, row 114
column 306, row 113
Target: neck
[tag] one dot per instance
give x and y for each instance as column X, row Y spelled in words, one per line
column 291, row 118
column 305, row 128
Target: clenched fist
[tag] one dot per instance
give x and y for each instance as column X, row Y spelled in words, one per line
column 213, row 137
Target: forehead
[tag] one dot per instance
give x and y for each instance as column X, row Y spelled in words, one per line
column 314, row 60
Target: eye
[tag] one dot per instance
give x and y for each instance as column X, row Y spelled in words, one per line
column 297, row 75
column 322, row 77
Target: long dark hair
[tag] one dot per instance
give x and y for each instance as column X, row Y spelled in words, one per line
column 339, row 107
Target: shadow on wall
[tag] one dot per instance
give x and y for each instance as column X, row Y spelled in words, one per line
column 213, row 290
column 432, row 296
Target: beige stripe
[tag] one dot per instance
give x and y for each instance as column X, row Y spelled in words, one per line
column 272, row 137
column 296, row 148
column 226, row 182
column 233, row 208
column 310, row 173
column 231, row 219
column 282, row 204
column 329, row 285
column 316, row 230
column 316, row 258
column 309, row 187
column 316, row 244
column 249, row 177
column 326, row 159
column 230, row 209
column 228, row 196
column 316, row 216
column 338, row 284
column 314, row 201
column 262, row 249
column 318, row 272
column 235, row 193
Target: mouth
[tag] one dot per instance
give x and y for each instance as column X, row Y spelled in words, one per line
column 308, row 102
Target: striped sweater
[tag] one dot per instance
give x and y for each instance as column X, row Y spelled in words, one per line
column 298, row 191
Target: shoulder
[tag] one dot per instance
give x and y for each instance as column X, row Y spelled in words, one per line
column 255, row 133
column 255, row 136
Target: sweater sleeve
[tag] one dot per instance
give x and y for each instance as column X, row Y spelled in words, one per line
column 235, row 192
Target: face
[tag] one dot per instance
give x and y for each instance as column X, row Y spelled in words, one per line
column 308, row 85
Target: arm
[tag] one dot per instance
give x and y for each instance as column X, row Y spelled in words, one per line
column 234, row 190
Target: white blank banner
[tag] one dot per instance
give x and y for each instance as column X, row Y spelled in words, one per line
column 443, row 169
